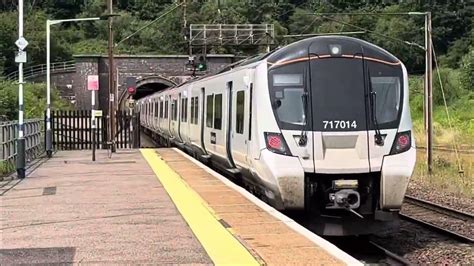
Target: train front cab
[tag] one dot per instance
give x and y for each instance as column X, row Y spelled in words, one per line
column 342, row 107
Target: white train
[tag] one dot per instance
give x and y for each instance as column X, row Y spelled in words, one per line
column 321, row 125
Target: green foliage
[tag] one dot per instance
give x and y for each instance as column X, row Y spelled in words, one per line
column 467, row 70
column 460, row 48
column 460, row 107
column 451, row 86
column 400, row 29
column 6, row 167
column 452, row 26
column 7, row 40
column 34, row 100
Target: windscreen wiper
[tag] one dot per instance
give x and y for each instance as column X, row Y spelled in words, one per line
column 373, row 108
column 303, row 136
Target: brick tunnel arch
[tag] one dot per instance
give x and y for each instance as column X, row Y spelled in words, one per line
column 146, row 86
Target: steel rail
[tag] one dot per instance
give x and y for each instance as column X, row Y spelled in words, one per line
column 438, row 229
column 390, row 254
column 439, row 208
column 443, row 210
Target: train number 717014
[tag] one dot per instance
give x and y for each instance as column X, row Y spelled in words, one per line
column 339, row 124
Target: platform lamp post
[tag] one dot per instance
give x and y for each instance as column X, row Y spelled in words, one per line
column 20, row 58
column 49, row 133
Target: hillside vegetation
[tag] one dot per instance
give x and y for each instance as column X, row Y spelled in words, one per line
column 453, row 37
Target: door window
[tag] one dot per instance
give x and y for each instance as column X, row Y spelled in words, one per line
column 239, row 127
column 209, row 110
column 174, row 110
column 184, row 109
column 161, row 109
column 218, row 111
column 196, row 112
column 192, row 110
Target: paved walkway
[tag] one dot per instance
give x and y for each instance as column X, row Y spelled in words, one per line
column 72, row 210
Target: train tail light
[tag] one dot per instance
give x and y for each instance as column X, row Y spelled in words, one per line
column 402, row 142
column 276, row 143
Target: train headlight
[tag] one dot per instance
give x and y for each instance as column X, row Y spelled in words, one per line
column 335, row 49
column 402, row 142
column 345, row 184
column 276, row 143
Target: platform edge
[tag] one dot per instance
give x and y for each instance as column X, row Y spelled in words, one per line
column 326, row 245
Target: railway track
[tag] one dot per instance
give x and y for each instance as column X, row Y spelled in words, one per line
column 368, row 251
column 391, row 257
column 453, row 223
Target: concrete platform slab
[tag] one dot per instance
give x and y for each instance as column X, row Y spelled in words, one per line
column 110, row 211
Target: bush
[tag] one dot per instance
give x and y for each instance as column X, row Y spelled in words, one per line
column 467, row 71
column 34, row 100
column 451, row 85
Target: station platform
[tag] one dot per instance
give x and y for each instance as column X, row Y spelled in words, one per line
column 149, row 206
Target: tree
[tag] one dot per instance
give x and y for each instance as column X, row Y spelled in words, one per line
column 399, row 30
column 7, row 46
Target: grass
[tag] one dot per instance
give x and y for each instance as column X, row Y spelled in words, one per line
column 445, row 174
column 6, row 168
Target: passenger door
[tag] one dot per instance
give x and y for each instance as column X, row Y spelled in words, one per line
column 239, row 135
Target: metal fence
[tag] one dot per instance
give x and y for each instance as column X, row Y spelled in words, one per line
column 34, row 142
column 37, row 70
column 72, row 130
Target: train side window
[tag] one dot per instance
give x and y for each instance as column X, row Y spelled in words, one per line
column 196, row 111
column 239, row 124
column 218, row 111
column 156, row 109
column 250, row 111
column 166, row 109
column 209, row 111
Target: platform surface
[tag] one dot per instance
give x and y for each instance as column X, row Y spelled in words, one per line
column 110, row 211
column 149, row 206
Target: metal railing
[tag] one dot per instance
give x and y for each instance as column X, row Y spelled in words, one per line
column 37, row 70
column 34, row 142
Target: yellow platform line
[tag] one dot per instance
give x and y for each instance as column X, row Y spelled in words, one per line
column 221, row 246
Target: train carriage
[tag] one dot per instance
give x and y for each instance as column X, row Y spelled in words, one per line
column 322, row 125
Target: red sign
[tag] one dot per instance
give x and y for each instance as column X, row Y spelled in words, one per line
column 93, row 82
column 131, row 90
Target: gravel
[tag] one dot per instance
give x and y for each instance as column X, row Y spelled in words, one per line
column 462, row 227
column 435, row 195
column 421, row 246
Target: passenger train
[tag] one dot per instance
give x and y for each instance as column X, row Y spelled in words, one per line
column 321, row 125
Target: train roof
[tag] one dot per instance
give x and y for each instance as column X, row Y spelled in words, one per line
column 320, row 46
